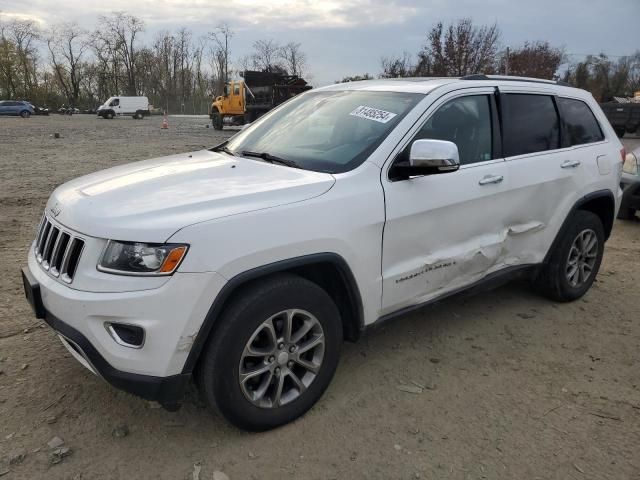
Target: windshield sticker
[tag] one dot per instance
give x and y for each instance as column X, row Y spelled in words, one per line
column 374, row 114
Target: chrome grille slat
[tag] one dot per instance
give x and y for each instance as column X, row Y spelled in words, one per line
column 58, row 250
column 56, row 256
column 43, row 239
column 54, row 233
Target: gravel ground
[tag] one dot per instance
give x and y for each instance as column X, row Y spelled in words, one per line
column 515, row 386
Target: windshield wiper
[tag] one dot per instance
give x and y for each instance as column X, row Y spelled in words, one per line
column 267, row 157
column 223, row 148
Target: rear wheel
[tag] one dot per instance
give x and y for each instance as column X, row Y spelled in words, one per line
column 574, row 263
column 274, row 353
column 216, row 121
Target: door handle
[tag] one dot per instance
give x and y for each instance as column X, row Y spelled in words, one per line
column 570, row 164
column 489, row 179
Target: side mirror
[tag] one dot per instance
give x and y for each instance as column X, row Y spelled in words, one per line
column 429, row 157
column 630, row 164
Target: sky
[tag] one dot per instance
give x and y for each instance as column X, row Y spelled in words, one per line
column 349, row 37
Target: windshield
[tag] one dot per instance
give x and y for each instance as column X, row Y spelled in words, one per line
column 330, row 131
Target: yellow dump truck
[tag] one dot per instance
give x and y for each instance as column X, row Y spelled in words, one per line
column 257, row 93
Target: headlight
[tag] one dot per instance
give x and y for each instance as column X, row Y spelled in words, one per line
column 132, row 258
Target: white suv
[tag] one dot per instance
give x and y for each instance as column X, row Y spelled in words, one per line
column 246, row 266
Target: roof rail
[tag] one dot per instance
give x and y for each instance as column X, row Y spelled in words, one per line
column 480, row 76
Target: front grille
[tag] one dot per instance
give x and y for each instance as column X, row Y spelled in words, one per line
column 58, row 251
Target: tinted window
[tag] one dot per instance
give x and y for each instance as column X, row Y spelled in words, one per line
column 115, row 102
column 580, row 124
column 465, row 121
column 530, row 124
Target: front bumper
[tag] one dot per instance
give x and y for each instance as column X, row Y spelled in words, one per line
column 171, row 316
column 167, row 391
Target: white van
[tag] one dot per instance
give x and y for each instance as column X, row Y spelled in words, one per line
column 137, row 107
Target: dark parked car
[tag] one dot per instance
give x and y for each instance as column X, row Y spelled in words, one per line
column 630, row 184
column 624, row 117
column 44, row 110
column 15, row 107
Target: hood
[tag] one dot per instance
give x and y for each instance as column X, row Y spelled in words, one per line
column 148, row 201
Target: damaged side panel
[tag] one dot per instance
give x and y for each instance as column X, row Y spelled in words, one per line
column 463, row 264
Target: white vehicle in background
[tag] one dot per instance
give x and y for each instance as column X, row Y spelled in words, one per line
column 245, row 266
column 136, row 107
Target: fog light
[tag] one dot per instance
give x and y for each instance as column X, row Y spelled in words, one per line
column 130, row 336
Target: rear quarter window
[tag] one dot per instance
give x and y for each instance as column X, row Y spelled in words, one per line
column 580, row 123
column 531, row 124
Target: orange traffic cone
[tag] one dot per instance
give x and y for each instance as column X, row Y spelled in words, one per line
column 165, row 122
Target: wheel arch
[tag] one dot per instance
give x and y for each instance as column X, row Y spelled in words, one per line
column 328, row 270
column 601, row 203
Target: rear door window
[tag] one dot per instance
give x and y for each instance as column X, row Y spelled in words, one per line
column 580, row 124
column 530, row 122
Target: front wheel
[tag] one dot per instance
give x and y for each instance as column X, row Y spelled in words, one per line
column 576, row 259
column 273, row 354
column 25, row 114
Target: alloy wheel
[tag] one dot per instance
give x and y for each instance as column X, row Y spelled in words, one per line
column 582, row 258
column 282, row 358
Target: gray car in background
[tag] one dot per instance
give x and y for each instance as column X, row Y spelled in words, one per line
column 16, row 107
column 630, row 184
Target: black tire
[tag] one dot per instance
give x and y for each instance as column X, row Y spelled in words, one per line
column 217, row 121
column 620, row 131
column 25, row 114
column 218, row 372
column 552, row 280
column 626, row 213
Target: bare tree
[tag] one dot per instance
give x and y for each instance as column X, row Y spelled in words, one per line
column 266, row 56
column 533, row 59
column 606, row 78
column 460, row 49
column 24, row 35
column 355, row 78
column 295, row 60
column 396, row 67
column 67, row 44
column 8, row 66
column 221, row 37
column 120, row 31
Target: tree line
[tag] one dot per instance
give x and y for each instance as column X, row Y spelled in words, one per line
column 68, row 64
column 462, row 48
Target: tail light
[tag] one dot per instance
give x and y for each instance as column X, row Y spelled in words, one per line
column 623, row 154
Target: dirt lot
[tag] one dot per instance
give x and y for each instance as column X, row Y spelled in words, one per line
column 517, row 387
